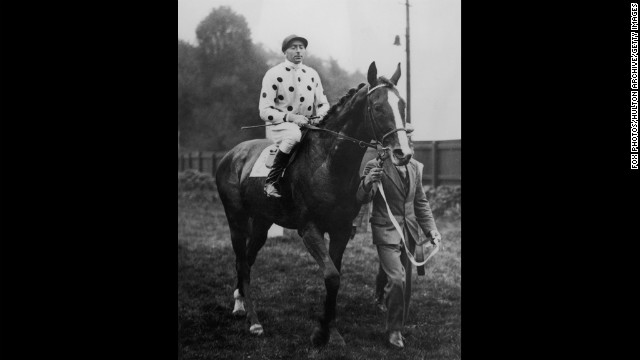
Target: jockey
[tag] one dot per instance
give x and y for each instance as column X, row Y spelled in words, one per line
column 291, row 93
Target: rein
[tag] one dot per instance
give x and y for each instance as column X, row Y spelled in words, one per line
column 361, row 143
column 397, row 226
column 399, row 229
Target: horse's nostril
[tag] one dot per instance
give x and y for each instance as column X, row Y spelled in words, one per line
column 398, row 153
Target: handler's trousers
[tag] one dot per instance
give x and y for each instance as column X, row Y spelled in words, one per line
column 396, row 265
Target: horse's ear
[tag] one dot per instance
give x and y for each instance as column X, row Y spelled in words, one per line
column 396, row 76
column 372, row 77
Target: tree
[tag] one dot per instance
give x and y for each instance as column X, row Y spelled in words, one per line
column 188, row 86
column 230, row 73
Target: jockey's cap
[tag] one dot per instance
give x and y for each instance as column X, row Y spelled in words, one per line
column 290, row 38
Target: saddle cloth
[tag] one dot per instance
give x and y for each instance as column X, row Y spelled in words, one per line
column 259, row 168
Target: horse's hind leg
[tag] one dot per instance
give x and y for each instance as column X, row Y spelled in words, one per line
column 259, row 232
column 242, row 295
column 239, row 226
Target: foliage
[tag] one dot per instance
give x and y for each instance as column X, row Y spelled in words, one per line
column 445, row 201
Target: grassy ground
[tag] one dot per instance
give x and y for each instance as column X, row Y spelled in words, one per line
column 289, row 291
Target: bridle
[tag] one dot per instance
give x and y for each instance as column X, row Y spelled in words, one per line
column 363, row 144
column 373, row 128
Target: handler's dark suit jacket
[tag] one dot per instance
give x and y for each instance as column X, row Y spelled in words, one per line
column 409, row 206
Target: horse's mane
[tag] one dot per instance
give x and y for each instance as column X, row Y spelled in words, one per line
column 335, row 108
column 344, row 99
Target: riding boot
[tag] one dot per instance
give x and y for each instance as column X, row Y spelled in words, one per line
column 271, row 184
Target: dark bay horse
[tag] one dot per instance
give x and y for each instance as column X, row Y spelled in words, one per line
column 318, row 190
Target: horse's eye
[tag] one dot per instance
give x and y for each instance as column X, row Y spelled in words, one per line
column 377, row 107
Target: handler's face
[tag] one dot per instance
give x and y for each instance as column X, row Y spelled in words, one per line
column 295, row 52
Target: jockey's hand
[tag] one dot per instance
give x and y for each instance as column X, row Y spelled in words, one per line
column 374, row 175
column 298, row 119
column 317, row 121
column 436, row 238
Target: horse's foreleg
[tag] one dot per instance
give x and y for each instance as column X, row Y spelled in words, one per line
column 337, row 245
column 313, row 239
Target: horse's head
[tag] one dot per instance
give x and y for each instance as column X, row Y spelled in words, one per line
column 386, row 115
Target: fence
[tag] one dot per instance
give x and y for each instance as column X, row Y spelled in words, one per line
column 441, row 159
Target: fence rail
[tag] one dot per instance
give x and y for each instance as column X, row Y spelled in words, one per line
column 441, row 159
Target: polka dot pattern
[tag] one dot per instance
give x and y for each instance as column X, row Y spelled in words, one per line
column 288, row 92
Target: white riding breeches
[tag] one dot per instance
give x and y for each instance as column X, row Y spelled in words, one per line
column 286, row 135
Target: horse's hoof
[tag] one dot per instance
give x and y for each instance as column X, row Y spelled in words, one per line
column 335, row 339
column 319, row 338
column 238, row 308
column 256, row 330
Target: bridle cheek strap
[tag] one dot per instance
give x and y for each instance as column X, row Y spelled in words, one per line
column 375, row 135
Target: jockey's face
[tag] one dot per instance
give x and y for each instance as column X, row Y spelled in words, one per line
column 295, row 52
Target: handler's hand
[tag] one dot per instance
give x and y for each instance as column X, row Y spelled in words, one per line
column 436, row 238
column 374, row 175
column 298, row 119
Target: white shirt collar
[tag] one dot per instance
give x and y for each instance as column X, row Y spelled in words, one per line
column 292, row 65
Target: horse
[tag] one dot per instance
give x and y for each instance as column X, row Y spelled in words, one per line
column 318, row 190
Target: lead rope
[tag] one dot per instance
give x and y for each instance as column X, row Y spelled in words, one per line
column 397, row 226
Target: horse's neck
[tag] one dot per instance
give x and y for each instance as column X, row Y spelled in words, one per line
column 344, row 157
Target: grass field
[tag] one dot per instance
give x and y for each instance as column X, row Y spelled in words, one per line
column 289, row 291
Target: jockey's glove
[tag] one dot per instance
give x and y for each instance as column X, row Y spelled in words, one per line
column 317, row 121
column 298, row 119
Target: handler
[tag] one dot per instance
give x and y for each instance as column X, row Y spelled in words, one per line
column 291, row 93
column 409, row 205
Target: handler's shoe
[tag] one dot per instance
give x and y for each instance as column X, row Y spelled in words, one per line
column 396, row 340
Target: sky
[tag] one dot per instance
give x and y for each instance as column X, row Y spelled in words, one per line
column 358, row 32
